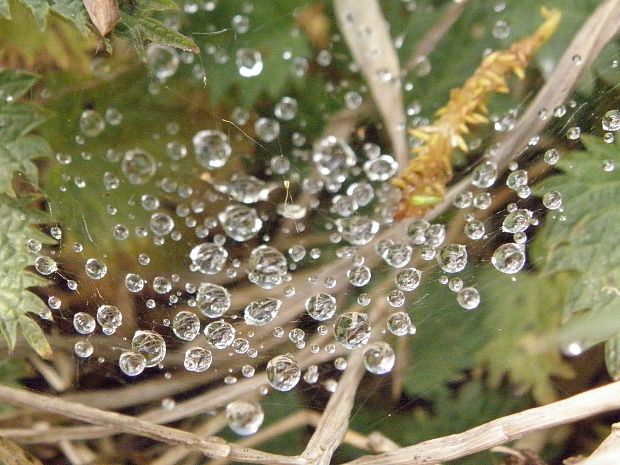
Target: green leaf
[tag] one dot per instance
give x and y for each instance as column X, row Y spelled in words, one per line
column 17, row 147
column 446, row 340
column 522, row 317
column 39, row 9
column 15, row 298
column 136, row 26
column 5, row 9
column 35, row 337
column 15, row 84
column 73, row 11
column 583, row 240
column 157, row 5
column 157, row 32
column 17, row 150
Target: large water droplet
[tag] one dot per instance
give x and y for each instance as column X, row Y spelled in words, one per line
column 186, row 325
column 220, row 334
column 213, row 300
column 321, row 306
column 352, row 329
column 244, row 417
column 211, row 148
column 379, row 358
column 509, row 258
column 260, row 312
column 267, row 267
column 240, row 222
column 197, row 359
column 208, row 258
column 283, row 372
column 151, row 345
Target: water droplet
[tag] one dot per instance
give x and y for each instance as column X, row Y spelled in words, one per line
column 267, row 267
column 517, row 221
column 132, row 363
column 468, row 298
column 83, row 323
column 283, row 372
column 379, row 358
column 186, row 325
column 244, row 417
column 162, row 61
column 161, row 224
column 197, row 359
column 399, row 324
column 249, row 62
column 267, row 129
column 485, row 174
column 452, row 258
column 359, row 276
column 208, row 258
column 110, row 318
column 260, row 312
column 91, row 123
column 151, row 345
column 213, row 300
column 138, row 166
column 83, row 349
column 357, row 230
column 211, row 148
column 552, row 200
column 95, row 269
column 220, row 334
column 611, row 121
column 240, row 222
column 509, row 258
column 352, row 329
column 45, row 265
column 321, row 306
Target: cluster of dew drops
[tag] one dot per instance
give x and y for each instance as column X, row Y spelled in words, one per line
column 361, row 204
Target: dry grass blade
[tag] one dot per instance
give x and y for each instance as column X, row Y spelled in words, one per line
column 334, row 422
column 210, row 447
column 104, row 14
column 366, row 32
column 502, row 430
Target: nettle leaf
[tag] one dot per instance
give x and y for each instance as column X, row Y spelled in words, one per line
column 17, row 151
column 17, row 147
column 16, row 220
column 272, row 32
column 523, row 348
column 583, row 240
column 136, row 25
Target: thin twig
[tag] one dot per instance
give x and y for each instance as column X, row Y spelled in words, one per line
column 366, row 32
column 502, row 430
column 210, row 447
column 176, row 454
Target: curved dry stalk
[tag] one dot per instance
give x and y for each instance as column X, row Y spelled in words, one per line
column 334, row 422
column 210, row 446
column 366, row 32
column 502, row 430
